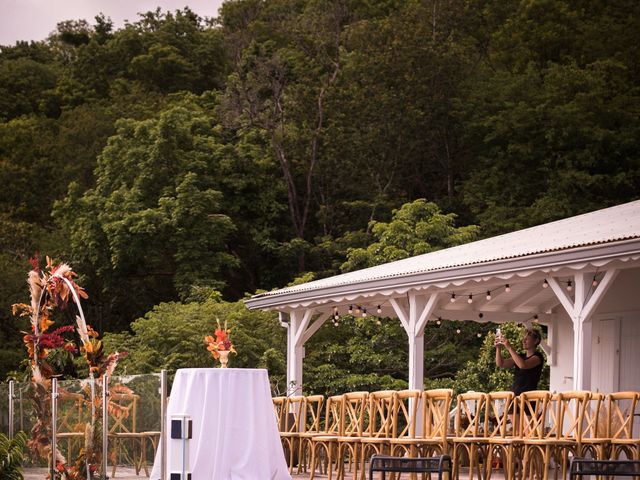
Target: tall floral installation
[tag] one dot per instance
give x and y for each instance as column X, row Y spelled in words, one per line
column 51, row 290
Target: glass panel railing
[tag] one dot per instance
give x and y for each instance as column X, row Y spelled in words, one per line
column 134, row 423
column 133, row 416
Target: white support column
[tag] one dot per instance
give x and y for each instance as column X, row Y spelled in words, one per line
column 295, row 354
column 301, row 327
column 580, row 310
column 414, row 321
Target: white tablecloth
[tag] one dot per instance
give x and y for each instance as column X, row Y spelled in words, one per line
column 235, row 433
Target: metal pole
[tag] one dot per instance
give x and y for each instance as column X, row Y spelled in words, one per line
column 10, row 409
column 54, row 426
column 105, row 424
column 163, row 424
column 21, row 403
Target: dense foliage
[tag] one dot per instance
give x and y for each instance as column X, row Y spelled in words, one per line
column 178, row 156
column 12, row 454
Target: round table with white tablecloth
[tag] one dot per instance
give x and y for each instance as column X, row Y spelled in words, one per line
column 235, row 433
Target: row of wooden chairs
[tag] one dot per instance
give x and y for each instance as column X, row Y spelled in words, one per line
column 525, row 435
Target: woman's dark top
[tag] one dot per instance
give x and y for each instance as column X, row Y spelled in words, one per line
column 526, row 379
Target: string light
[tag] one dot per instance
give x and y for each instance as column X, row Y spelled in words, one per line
column 364, row 312
column 457, row 330
column 545, row 284
column 594, row 283
column 439, row 321
column 507, row 288
column 488, row 294
column 569, row 285
column 479, row 335
column 358, row 309
column 470, row 299
column 379, row 322
column 453, row 298
column 535, row 317
column 379, row 310
column 350, row 309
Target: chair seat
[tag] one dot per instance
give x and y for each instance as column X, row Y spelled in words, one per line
column 504, row 440
column 126, row 434
column 378, row 440
column 548, row 441
column 594, row 441
column 325, row 438
column 468, row 439
column 624, row 441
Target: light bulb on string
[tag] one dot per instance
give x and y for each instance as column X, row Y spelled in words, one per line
column 358, row 309
column 439, row 321
column 457, row 330
column 379, row 310
column 379, row 322
column 470, row 299
column 479, row 335
column 507, row 288
column 364, row 312
column 594, row 283
column 350, row 309
column 535, row 318
column 569, row 285
column 488, row 294
column 545, row 284
column 453, row 298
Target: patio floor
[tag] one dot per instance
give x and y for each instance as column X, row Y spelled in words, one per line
column 124, row 473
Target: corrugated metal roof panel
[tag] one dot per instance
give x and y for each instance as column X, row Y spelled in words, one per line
column 612, row 224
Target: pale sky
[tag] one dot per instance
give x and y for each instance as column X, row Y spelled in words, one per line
column 36, row 19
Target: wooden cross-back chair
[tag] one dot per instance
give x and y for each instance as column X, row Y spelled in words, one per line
column 499, row 425
column 123, row 428
column 469, row 440
column 293, row 419
column 72, row 421
column 354, row 412
column 279, row 407
column 324, row 446
column 570, row 423
column 406, row 415
column 312, row 427
column 622, row 407
column 594, row 443
column 379, row 433
column 435, row 422
column 536, row 435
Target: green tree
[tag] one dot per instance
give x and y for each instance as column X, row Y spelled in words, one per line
column 417, row 227
column 552, row 117
column 153, row 223
column 281, row 85
column 171, row 336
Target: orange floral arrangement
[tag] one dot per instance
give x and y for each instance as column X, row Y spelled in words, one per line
column 221, row 342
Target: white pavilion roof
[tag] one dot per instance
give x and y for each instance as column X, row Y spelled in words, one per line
column 579, row 235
